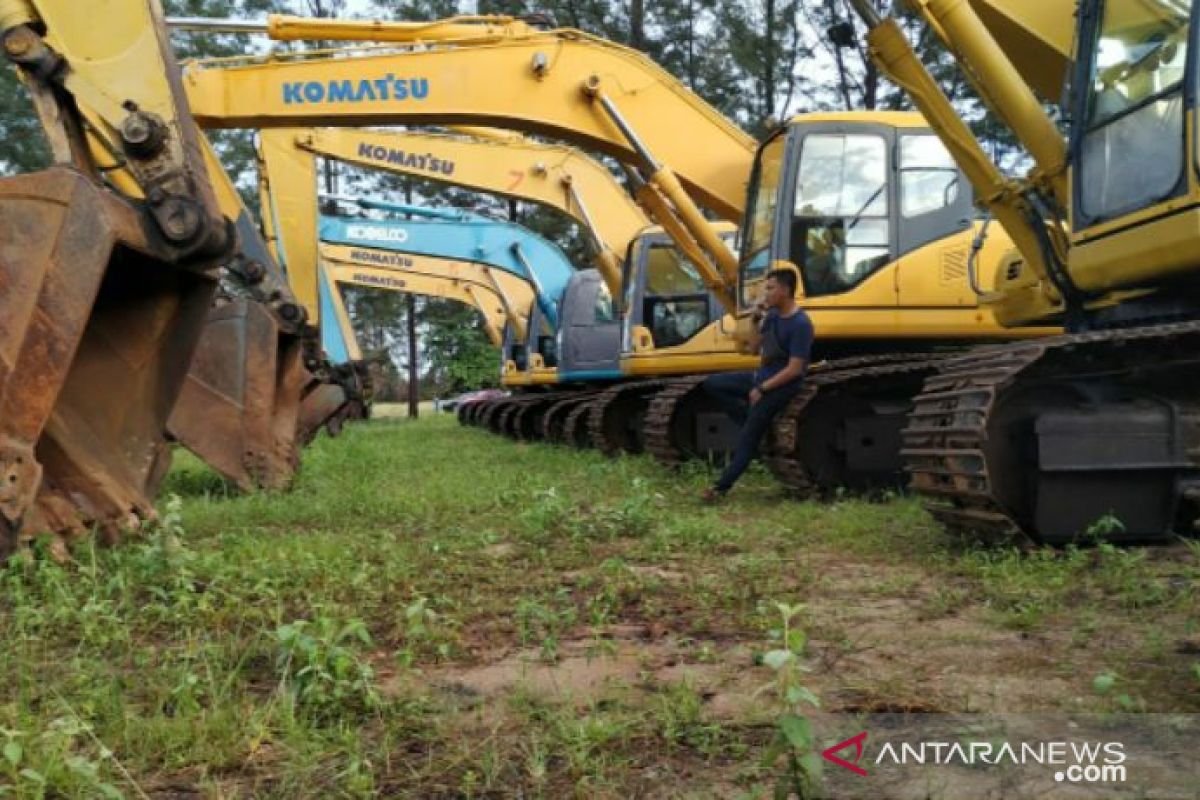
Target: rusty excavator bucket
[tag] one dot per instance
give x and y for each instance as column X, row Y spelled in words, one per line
column 98, row 322
column 239, row 409
column 256, row 394
column 248, row 402
column 109, row 266
column 341, row 395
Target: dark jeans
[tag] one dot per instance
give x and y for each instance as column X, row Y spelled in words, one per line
column 731, row 391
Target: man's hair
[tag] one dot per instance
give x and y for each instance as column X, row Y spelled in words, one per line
column 785, row 276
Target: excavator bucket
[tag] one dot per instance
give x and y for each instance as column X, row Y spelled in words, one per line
column 329, row 402
column 240, row 405
column 97, row 327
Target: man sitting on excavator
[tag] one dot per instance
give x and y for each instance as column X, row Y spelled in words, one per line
column 784, row 339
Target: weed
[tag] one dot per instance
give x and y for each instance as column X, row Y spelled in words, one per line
column 553, row 515
column 680, row 715
column 1108, row 685
column 423, row 630
column 794, row 742
column 320, row 668
column 1105, row 527
column 545, row 622
column 64, row 759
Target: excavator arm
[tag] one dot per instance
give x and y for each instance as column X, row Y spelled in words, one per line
column 1030, row 210
column 471, row 284
column 496, row 162
column 561, row 83
column 287, row 183
column 499, row 296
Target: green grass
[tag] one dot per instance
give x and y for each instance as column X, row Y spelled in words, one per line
column 344, row 639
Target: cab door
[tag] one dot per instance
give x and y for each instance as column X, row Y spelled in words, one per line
column 840, row 232
column 591, row 332
column 935, row 212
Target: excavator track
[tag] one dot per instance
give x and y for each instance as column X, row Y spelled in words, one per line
column 1034, row 438
column 526, row 423
column 613, row 417
column 506, row 421
column 461, row 413
column 842, row 430
column 487, row 411
column 500, row 420
column 657, row 427
column 472, row 412
column 494, row 414
column 575, row 427
column 554, row 421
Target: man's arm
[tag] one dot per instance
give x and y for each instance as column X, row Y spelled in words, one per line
column 799, row 348
column 793, row 370
column 755, row 340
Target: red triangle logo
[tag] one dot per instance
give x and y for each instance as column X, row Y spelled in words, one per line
column 857, row 741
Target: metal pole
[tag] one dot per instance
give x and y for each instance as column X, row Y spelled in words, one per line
column 212, row 25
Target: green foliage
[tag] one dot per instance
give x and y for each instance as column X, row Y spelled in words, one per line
column 62, row 760
column 23, row 146
column 794, row 743
column 224, row 651
column 319, row 664
column 681, row 714
column 544, row 621
column 1109, row 685
column 456, row 350
column 424, row 631
column 552, row 514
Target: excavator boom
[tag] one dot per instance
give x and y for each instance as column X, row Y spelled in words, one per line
column 560, row 83
column 544, row 83
column 500, row 163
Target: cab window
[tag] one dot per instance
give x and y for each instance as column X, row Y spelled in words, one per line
column 928, row 177
column 676, row 303
column 760, row 216
column 840, row 232
column 1133, row 141
column 604, row 304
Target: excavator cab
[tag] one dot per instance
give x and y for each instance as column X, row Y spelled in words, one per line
column 534, row 359
column 1133, row 103
column 591, row 329
column 1131, row 188
column 842, row 200
column 665, row 296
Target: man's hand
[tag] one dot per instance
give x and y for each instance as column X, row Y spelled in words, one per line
column 756, row 394
column 759, row 313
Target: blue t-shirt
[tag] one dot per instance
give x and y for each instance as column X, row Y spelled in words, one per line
column 784, row 338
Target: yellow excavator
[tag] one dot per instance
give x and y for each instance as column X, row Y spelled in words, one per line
column 501, row 298
column 259, row 387
column 110, row 261
column 462, row 282
column 898, row 227
column 672, row 325
column 1094, row 431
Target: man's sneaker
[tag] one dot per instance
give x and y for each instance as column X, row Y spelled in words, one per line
column 711, row 496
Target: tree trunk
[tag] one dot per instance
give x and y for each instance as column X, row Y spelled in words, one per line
column 691, row 45
column 637, row 24
column 413, row 398
column 769, row 65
